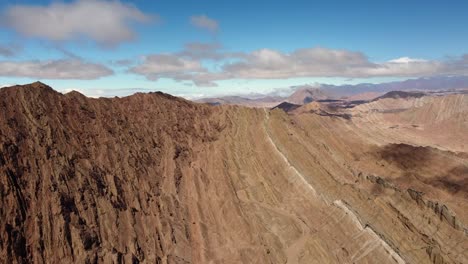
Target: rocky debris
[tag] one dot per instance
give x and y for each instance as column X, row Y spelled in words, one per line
column 382, row 182
column 338, row 115
column 445, row 214
column 441, row 210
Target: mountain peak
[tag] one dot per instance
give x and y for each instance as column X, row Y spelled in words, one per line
column 31, row 88
column 38, row 84
column 306, row 95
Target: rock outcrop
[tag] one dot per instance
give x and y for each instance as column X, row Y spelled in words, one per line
column 152, row 178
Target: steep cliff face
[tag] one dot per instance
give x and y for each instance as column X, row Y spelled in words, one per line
column 152, row 178
column 82, row 176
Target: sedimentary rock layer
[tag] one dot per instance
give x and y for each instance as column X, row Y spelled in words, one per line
column 152, row 178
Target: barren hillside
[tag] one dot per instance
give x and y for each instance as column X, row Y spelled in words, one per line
column 152, row 178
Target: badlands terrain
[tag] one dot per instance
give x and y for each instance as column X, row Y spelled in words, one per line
column 152, row 178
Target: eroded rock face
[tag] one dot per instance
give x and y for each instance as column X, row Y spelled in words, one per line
column 79, row 174
column 152, row 178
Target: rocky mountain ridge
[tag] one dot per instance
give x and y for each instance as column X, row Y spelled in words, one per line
column 152, row 178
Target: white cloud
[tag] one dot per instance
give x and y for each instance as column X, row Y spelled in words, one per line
column 313, row 62
column 161, row 64
column 106, row 22
column 322, row 62
column 210, row 51
column 158, row 66
column 273, row 64
column 54, row 69
column 406, row 60
column 197, row 50
column 204, row 22
column 403, row 67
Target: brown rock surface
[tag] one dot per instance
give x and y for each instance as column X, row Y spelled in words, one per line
column 152, row 178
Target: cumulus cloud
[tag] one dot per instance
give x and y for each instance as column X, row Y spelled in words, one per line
column 54, row 69
column 321, row 62
column 207, row 51
column 273, row 64
column 197, row 50
column 106, row 22
column 155, row 66
column 402, row 68
column 204, row 22
column 406, row 60
column 158, row 66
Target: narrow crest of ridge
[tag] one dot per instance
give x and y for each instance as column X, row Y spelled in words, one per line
column 41, row 89
column 400, row 94
column 30, row 87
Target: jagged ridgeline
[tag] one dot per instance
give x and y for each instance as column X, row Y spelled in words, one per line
column 152, row 178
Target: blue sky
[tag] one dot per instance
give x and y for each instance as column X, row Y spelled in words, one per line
column 204, row 48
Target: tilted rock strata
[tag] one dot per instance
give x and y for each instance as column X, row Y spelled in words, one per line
column 156, row 179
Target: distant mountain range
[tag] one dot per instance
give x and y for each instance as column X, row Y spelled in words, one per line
column 420, row 84
column 365, row 91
